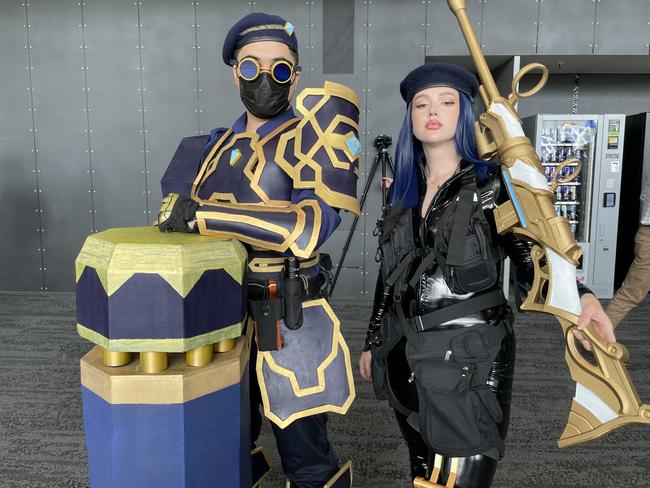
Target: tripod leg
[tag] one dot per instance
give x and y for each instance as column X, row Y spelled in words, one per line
column 371, row 176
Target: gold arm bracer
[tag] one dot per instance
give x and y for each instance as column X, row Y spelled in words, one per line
column 293, row 227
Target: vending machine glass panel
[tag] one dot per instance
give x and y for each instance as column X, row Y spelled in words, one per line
column 573, row 141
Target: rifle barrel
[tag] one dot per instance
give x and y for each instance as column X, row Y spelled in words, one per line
column 459, row 10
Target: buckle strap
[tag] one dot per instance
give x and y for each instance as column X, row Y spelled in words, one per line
column 461, row 309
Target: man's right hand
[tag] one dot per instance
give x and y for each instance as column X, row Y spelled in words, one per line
column 175, row 212
column 365, row 365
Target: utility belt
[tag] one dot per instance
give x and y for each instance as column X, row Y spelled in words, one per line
column 272, row 300
column 463, row 308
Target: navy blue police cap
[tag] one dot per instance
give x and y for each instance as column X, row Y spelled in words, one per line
column 438, row 74
column 258, row 26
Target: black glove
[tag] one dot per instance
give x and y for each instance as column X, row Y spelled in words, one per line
column 175, row 212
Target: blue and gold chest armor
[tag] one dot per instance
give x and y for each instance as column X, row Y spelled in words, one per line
column 241, row 168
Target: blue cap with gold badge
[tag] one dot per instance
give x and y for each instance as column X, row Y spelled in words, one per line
column 438, row 74
column 258, row 26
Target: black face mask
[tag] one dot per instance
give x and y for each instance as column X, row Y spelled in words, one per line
column 263, row 97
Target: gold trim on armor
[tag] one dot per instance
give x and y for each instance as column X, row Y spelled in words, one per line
column 347, row 466
column 179, row 383
column 160, row 345
column 313, row 240
column 206, row 161
column 213, row 163
column 276, row 265
column 289, row 236
column 337, row 339
column 327, row 139
column 261, row 158
column 253, row 168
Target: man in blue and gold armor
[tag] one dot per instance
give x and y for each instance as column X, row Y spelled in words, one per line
column 277, row 183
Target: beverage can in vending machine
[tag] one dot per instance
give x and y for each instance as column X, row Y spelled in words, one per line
column 572, row 212
column 558, row 193
column 571, row 194
column 573, row 227
column 558, row 209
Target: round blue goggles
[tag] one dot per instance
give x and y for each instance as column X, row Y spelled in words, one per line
column 249, row 69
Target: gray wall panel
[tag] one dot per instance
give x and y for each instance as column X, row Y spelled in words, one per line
column 112, row 57
column 391, row 56
column 631, row 96
column 444, row 37
column 58, row 82
column 510, row 26
column 189, row 90
column 350, row 283
column 622, row 27
column 169, row 79
column 219, row 98
column 566, row 27
column 334, row 247
column 20, row 255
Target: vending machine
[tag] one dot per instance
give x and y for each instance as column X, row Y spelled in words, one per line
column 590, row 201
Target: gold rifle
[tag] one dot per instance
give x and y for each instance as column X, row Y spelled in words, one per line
column 605, row 397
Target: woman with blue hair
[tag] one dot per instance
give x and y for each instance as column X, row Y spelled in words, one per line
column 440, row 344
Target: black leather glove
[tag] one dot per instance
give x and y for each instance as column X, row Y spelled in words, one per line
column 175, row 212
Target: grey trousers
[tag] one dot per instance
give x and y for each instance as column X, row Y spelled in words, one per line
column 636, row 285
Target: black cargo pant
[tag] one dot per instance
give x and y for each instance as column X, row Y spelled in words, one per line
column 475, row 471
column 307, row 457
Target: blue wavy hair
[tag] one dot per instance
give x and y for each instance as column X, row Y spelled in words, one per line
column 408, row 150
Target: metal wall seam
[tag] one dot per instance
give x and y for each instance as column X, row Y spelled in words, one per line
column 366, row 68
column 425, row 44
column 310, row 44
column 539, row 20
column 37, row 190
column 197, row 68
column 90, row 171
column 143, row 112
column 593, row 44
column 482, row 22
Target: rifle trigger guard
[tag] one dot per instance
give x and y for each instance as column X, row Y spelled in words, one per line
column 516, row 94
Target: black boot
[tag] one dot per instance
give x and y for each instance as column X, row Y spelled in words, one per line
column 420, row 457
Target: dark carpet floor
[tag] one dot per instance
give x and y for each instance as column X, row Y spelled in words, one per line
column 41, row 428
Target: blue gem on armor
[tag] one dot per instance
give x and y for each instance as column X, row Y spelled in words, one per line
column 354, row 145
column 234, row 154
column 288, row 27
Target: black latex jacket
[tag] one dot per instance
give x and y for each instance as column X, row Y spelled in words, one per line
column 432, row 292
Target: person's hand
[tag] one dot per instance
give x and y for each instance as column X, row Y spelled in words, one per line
column 175, row 213
column 593, row 313
column 386, row 182
column 365, row 365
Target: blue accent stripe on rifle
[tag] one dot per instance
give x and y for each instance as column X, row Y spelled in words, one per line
column 513, row 197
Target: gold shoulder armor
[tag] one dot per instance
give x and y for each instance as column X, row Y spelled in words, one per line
column 322, row 152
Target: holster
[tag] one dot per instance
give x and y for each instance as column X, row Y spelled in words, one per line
column 287, row 307
column 267, row 314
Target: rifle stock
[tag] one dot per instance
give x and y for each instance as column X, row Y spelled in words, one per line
column 605, row 397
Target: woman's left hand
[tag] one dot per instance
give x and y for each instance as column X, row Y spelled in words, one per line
column 593, row 313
